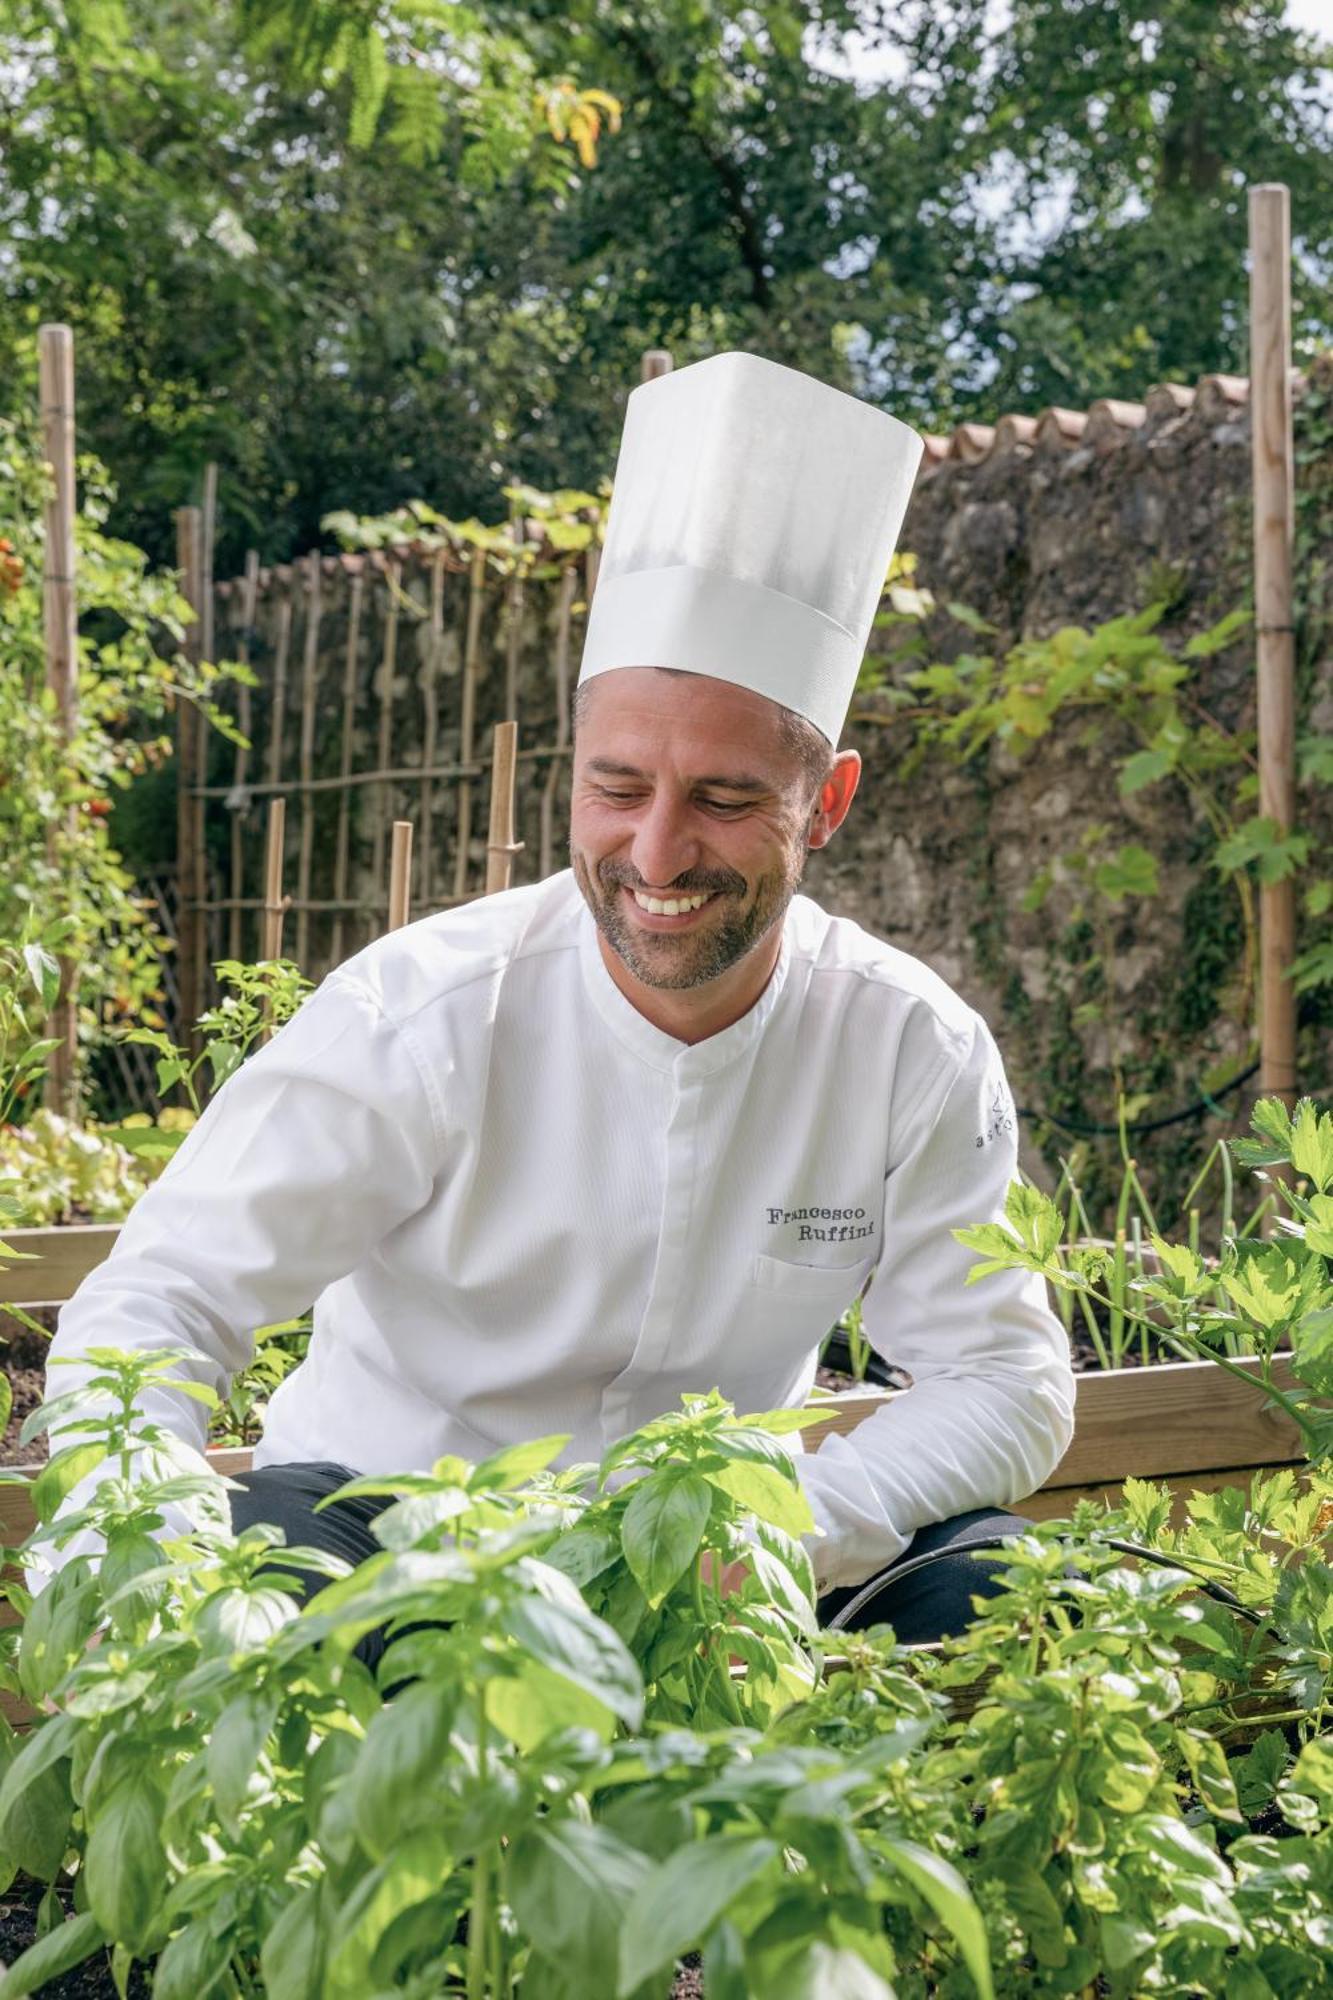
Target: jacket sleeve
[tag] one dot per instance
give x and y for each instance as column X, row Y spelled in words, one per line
column 316, row 1148
column 991, row 1409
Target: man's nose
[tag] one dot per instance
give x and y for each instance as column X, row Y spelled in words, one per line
column 664, row 843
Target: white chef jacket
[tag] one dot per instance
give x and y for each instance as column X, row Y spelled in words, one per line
column 520, row 1208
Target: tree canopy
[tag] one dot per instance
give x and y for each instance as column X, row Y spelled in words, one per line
column 363, row 252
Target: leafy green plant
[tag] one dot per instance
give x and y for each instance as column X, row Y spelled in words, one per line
column 63, row 886
column 704, row 1490
column 1264, row 1295
column 29, row 988
column 578, row 1756
column 261, row 997
column 511, row 1801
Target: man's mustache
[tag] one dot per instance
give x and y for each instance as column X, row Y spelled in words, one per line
column 693, row 884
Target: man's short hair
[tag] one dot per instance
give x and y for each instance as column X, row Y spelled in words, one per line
column 796, row 733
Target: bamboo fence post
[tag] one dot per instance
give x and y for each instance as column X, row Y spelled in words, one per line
column 55, row 354
column 241, row 770
column 190, row 918
column 431, row 702
column 468, row 719
column 568, row 585
column 384, row 695
column 400, row 874
column 343, row 843
column 1274, row 514
column 309, row 683
column 501, row 846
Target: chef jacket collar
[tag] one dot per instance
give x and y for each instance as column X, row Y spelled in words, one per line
column 652, row 1045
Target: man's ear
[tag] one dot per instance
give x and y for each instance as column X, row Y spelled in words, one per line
column 835, row 797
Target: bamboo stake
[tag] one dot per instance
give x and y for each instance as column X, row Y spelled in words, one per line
column 309, row 681
column 190, row 887
column 501, row 846
column 55, row 355
column 275, row 903
column 431, row 699
column 513, row 637
column 1274, row 515
column 241, row 769
column 568, row 585
column 400, row 874
column 468, row 720
column 210, row 528
column 384, row 695
column 343, row 844
column 278, row 705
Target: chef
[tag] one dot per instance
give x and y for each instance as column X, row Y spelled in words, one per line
column 548, row 1161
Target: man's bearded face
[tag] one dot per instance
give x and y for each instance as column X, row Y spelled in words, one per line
column 688, row 796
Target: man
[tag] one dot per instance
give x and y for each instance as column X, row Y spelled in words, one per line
column 547, row 1162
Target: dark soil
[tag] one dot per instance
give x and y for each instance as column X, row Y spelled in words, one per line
column 90, row 1981
column 689, row 1980
column 25, row 1365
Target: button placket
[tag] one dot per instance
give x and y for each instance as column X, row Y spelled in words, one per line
column 658, row 1321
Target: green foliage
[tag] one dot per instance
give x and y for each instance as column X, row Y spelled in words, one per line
column 260, row 998
column 1260, row 1296
column 63, row 888
column 521, row 1798
column 355, row 253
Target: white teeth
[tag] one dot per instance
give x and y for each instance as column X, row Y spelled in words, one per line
column 673, row 907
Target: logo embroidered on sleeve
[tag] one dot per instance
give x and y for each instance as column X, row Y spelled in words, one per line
column 1001, row 1117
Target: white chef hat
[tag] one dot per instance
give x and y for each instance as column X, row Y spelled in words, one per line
column 752, row 520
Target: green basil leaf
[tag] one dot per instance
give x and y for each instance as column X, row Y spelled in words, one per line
column 194, row 1963
column 124, row 1866
column 581, row 1649
column 938, row 1883
column 831, row 1972
column 233, row 1750
column 534, row 1703
column 35, row 1830
column 61, row 1474
column 662, row 1528
column 291, row 1957
column 392, row 1783
column 681, row 1901
column 515, row 1465
column 413, row 1874
column 766, row 1491
column 571, row 1884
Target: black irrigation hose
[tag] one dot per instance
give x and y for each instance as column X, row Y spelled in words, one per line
column 996, row 1543
column 1207, row 1104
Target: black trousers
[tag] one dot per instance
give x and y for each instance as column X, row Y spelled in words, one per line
column 924, row 1595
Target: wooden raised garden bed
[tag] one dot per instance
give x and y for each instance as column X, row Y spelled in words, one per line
column 1186, row 1422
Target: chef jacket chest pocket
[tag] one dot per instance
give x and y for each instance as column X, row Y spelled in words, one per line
column 795, row 1305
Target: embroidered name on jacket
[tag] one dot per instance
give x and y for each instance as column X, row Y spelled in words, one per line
column 822, row 1225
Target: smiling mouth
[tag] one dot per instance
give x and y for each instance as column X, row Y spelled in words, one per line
column 670, row 906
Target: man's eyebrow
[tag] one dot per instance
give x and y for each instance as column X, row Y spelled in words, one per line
column 739, row 781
